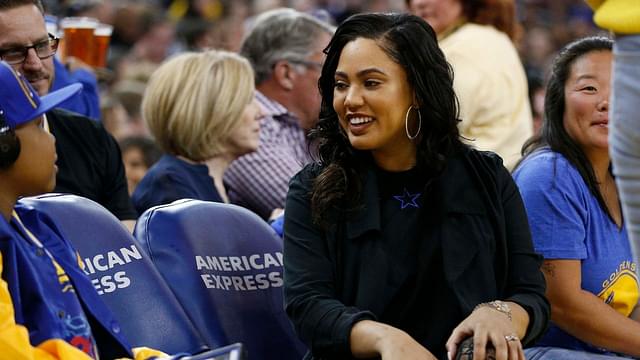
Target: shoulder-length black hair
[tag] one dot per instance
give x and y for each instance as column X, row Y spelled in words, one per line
column 553, row 133
column 411, row 42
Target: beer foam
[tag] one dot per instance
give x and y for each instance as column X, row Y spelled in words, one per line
column 79, row 23
column 103, row 30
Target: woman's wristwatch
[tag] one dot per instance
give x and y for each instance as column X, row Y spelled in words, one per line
column 498, row 305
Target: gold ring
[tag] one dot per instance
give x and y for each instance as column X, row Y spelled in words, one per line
column 512, row 338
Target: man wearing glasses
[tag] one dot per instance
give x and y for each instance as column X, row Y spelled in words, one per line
column 89, row 161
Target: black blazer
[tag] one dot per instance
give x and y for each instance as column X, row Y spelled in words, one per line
column 486, row 250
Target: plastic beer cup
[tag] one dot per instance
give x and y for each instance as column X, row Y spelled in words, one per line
column 101, row 38
column 78, row 37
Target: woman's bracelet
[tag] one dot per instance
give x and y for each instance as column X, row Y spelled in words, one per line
column 498, row 305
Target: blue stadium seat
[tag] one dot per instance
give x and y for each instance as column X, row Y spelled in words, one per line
column 224, row 263
column 123, row 275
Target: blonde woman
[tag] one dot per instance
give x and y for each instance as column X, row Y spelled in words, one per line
column 200, row 108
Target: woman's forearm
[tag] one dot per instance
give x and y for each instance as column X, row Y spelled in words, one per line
column 366, row 336
column 589, row 319
column 371, row 338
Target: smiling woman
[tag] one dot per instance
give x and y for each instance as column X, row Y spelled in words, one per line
column 371, row 98
column 390, row 243
column 572, row 202
column 587, row 102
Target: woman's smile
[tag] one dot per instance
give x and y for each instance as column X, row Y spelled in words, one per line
column 358, row 124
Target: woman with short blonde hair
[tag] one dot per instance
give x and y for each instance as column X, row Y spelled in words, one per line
column 201, row 111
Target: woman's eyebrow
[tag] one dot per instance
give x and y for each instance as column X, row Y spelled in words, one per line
column 362, row 72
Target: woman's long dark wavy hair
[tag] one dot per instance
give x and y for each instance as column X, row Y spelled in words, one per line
column 553, row 133
column 411, row 42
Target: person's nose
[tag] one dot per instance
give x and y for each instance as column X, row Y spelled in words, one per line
column 32, row 61
column 603, row 105
column 603, row 102
column 259, row 111
column 353, row 98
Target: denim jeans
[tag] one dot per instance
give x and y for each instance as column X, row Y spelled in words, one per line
column 553, row 353
column 624, row 135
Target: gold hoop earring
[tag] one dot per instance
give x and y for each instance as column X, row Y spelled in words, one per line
column 406, row 122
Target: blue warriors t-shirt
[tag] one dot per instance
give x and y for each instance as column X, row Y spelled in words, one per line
column 567, row 222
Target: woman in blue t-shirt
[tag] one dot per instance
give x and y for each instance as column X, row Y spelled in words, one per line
column 574, row 211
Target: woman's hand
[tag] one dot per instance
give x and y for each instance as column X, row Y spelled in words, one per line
column 487, row 326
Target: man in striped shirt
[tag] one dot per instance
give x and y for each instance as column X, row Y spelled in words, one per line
column 285, row 50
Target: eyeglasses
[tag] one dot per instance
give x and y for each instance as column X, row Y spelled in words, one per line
column 308, row 64
column 43, row 49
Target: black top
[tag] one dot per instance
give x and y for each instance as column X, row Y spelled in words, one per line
column 422, row 271
column 416, row 307
column 89, row 162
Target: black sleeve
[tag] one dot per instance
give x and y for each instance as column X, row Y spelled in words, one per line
column 525, row 282
column 115, row 196
column 320, row 319
column 90, row 162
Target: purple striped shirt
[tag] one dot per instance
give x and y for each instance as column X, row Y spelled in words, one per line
column 259, row 181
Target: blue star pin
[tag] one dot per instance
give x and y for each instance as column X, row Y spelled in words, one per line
column 408, row 199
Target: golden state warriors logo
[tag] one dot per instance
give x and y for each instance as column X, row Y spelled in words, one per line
column 63, row 278
column 620, row 289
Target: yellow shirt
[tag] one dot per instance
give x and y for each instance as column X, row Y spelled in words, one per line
column 491, row 86
column 619, row 16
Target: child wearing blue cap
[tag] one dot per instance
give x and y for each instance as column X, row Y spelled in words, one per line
column 48, row 307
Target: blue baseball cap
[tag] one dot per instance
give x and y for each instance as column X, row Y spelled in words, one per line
column 19, row 103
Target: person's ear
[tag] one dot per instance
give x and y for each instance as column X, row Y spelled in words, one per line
column 284, row 74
